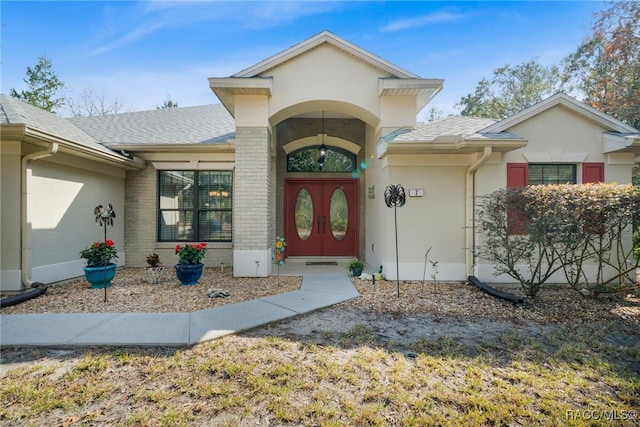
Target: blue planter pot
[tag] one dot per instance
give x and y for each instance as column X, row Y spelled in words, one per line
column 101, row 276
column 356, row 271
column 189, row 274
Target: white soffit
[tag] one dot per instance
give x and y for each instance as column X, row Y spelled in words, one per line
column 408, row 87
column 242, row 86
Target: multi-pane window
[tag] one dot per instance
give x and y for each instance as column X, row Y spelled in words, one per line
column 195, row 206
column 552, row 174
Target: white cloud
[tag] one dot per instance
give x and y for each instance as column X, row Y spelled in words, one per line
column 144, row 19
column 137, row 34
column 422, row 20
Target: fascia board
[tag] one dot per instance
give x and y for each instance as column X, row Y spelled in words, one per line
column 169, row 148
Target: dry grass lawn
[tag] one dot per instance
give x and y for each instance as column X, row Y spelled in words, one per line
column 450, row 355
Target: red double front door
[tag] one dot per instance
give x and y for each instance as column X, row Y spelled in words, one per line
column 321, row 217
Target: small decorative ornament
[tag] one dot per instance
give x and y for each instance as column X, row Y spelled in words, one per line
column 217, row 293
column 154, row 269
column 394, row 197
column 278, row 253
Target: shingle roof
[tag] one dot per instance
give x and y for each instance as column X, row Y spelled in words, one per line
column 16, row 112
column 453, row 125
column 206, row 124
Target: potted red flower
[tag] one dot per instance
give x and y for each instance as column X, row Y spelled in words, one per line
column 100, row 270
column 189, row 267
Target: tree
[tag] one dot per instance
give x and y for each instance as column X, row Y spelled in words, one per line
column 91, row 104
column 511, row 89
column 433, row 114
column 44, row 85
column 168, row 103
column 606, row 66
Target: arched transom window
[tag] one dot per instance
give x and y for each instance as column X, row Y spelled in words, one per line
column 309, row 159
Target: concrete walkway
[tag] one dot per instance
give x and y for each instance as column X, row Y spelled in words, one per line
column 172, row 329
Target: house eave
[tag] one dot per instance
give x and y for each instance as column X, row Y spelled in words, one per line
column 453, row 146
column 30, row 135
column 423, row 89
column 228, row 147
column 227, row 88
column 613, row 143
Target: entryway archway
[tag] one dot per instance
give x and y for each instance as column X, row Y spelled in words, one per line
column 321, row 217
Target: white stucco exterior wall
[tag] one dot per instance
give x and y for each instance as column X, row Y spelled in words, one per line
column 434, row 220
column 65, row 192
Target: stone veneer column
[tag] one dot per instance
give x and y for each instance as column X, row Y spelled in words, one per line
column 252, row 222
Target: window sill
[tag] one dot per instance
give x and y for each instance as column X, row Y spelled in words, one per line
column 210, row 245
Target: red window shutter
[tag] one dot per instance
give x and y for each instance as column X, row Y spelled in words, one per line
column 517, row 175
column 592, row 172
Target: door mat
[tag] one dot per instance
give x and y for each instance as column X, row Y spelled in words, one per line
column 321, row 263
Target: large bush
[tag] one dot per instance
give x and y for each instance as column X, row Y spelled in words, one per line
column 581, row 231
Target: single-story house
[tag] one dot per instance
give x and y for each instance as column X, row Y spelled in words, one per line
column 301, row 145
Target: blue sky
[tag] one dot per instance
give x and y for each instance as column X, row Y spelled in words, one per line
column 141, row 52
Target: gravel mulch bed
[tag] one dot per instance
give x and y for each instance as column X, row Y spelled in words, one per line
column 131, row 292
column 551, row 305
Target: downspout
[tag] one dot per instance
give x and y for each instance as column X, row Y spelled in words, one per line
column 25, row 210
column 470, row 241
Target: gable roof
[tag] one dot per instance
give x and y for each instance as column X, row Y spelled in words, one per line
column 317, row 40
column 564, row 100
column 205, row 124
column 394, row 81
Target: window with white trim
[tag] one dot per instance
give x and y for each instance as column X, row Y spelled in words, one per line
column 195, row 206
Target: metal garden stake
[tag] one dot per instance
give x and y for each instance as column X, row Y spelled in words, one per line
column 394, row 197
column 104, row 217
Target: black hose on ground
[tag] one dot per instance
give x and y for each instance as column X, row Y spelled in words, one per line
column 38, row 289
column 495, row 292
